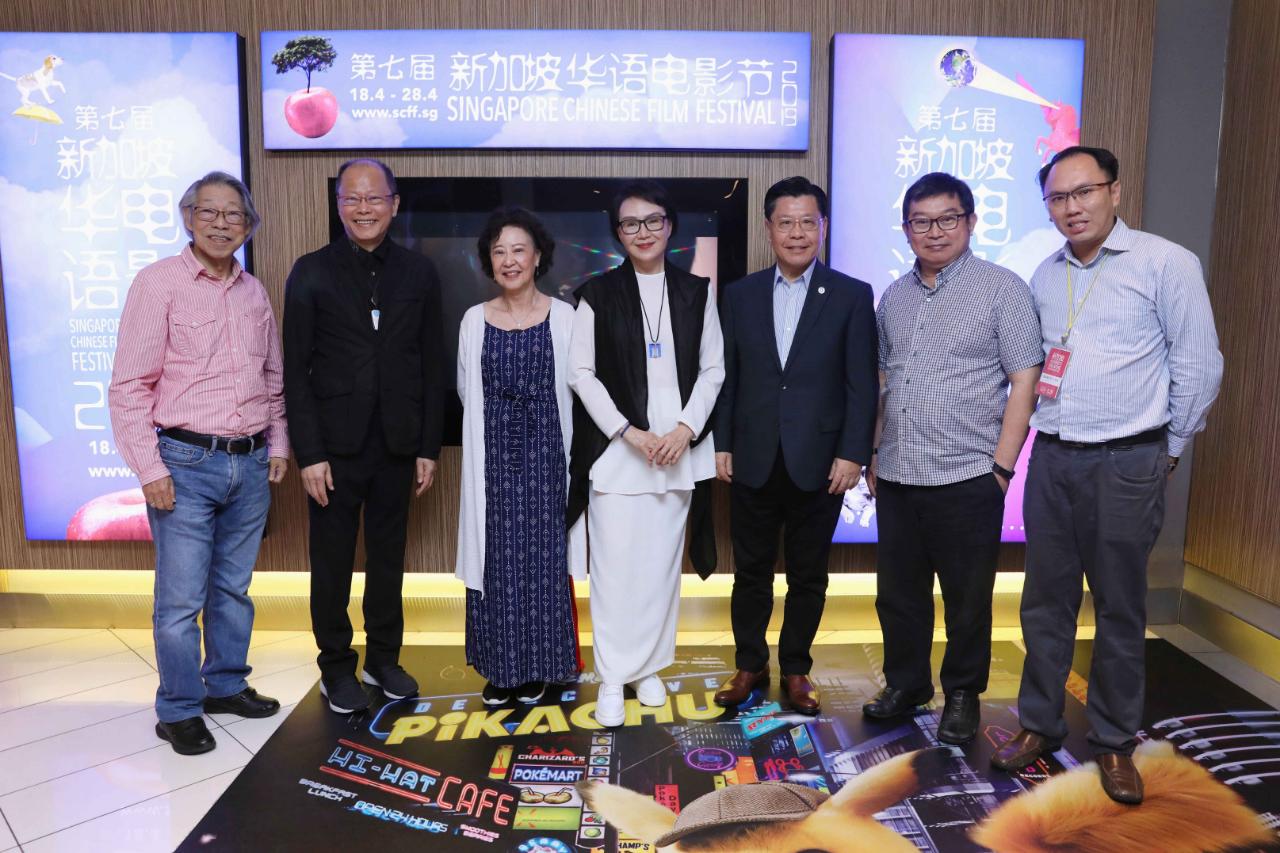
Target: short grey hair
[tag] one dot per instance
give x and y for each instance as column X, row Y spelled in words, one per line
column 213, row 178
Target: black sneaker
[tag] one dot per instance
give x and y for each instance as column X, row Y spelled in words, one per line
column 394, row 681
column 531, row 692
column 494, row 695
column 345, row 694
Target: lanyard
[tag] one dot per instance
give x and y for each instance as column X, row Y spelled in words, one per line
column 1074, row 311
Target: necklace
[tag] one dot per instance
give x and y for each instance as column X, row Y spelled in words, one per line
column 655, row 348
column 533, row 306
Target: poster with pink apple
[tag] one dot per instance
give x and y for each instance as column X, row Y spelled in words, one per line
column 619, row 89
column 100, row 135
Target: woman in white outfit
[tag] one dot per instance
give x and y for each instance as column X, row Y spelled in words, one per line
column 646, row 362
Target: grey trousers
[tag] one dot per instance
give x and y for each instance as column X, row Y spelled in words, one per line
column 1092, row 512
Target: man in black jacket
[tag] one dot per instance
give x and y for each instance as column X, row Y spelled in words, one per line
column 362, row 385
column 793, row 430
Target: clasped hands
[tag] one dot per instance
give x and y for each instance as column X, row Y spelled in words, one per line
column 659, row 449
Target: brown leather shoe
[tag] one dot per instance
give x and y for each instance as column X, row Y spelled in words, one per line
column 802, row 694
column 1022, row 750
column 1120, row 778
column 736, row 690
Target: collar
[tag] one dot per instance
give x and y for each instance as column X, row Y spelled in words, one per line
column 803, row 280
column 196, row 269
column 1121, row 239
column 945, row 274
column 380, row 252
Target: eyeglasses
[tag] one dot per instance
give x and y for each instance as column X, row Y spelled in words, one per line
column 208, row 214
column 371, row 200
column 652, row 223
column 1081, row 195
column 945, row 222
column 786, row 224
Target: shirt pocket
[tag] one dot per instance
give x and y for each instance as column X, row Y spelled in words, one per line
column 257, row 331
column 194, row 333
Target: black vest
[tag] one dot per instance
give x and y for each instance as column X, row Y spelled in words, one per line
column 621, row 366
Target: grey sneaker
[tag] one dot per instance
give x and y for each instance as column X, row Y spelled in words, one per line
column 394, row 681
column 345, row 694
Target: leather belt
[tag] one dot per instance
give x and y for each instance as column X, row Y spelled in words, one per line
column 1151, row 436
column 238, row 445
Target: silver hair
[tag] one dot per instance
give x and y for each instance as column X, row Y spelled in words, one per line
column 246, row 200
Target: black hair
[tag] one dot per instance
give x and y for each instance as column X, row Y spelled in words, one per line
column 1106, row 161
column 794, row 187
column 369, row 161
column 646, row 190
column 936, row 184
column 543, row 243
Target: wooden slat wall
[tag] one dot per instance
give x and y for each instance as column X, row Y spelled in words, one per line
column 1233, row 528
column 289, row 188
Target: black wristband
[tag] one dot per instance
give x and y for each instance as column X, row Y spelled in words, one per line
column 1003, row 472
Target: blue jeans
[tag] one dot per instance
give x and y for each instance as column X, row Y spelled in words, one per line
column 206, row 547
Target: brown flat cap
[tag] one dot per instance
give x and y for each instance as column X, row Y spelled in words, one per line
column 735, row 805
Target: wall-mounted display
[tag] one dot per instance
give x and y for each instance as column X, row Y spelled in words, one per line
column 443, row 217
column 101, row 133
column 620, row 89
column 990, row 111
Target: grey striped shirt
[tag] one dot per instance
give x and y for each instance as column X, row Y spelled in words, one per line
column 1143, row 350
column 947, row 353
column 788, row 302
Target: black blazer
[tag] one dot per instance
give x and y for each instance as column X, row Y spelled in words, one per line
column 823, row 405
column 337, row 369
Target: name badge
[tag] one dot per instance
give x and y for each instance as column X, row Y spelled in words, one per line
column 1055, row 368
column 375, row 315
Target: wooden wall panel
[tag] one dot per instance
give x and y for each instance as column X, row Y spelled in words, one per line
column 289, row 187
column 1233, row 529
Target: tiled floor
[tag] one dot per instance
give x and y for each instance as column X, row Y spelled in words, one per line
column 81, row 767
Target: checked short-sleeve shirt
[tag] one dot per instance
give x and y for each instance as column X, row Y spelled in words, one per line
column 947, row 353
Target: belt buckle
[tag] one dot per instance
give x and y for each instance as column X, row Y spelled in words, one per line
column 233, row 443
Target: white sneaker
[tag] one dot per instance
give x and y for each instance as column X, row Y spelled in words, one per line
column 611, row 707
column 651, row 691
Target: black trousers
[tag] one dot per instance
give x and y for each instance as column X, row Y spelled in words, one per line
column 380, row 484
column 1093, row 513
column 806, row 521
column 953, row 532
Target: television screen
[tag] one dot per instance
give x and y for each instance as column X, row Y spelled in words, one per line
column 443, row 217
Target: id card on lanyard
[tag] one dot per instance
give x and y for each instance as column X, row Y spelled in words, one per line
column 1059, row 356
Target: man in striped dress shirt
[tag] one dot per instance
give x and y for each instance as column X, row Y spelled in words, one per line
column 1131, row 369
column 197, row 407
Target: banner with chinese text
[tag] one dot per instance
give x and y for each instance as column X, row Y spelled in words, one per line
column 990, row 111
column 101, row 133
column 535, row 89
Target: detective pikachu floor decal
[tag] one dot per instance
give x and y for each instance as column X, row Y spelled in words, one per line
column 1186, row 811
column 444, row 772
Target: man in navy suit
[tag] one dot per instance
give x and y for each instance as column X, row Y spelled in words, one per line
column 793, row 429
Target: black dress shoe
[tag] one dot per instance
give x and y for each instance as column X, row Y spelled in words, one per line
column 960, row 716
column 246, row 703
column 892, row 702
column 187, row 737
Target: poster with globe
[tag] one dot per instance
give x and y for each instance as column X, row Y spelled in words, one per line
column 101, row 133
column 990, row 111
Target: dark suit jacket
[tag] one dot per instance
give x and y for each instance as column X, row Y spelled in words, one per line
column 822, row 405
column 337, row 369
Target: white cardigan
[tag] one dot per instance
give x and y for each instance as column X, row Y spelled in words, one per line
column 471, row 509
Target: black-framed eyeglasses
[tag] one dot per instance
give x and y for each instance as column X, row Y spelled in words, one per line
column 945, row 222
column 1080, row 195
column 209, row 214
column 371, row 200
column 651, row 223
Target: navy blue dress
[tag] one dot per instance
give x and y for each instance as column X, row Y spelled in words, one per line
column 521, row 628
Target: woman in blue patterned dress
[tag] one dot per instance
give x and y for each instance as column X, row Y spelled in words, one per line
column 514, row 553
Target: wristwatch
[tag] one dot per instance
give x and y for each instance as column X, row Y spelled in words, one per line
column 996, row 468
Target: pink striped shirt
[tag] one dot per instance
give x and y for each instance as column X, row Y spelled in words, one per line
column 195, row 353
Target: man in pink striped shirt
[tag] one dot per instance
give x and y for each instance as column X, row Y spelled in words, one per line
column 197, row 406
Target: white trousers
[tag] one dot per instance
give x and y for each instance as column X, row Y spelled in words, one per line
column 636, row 544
